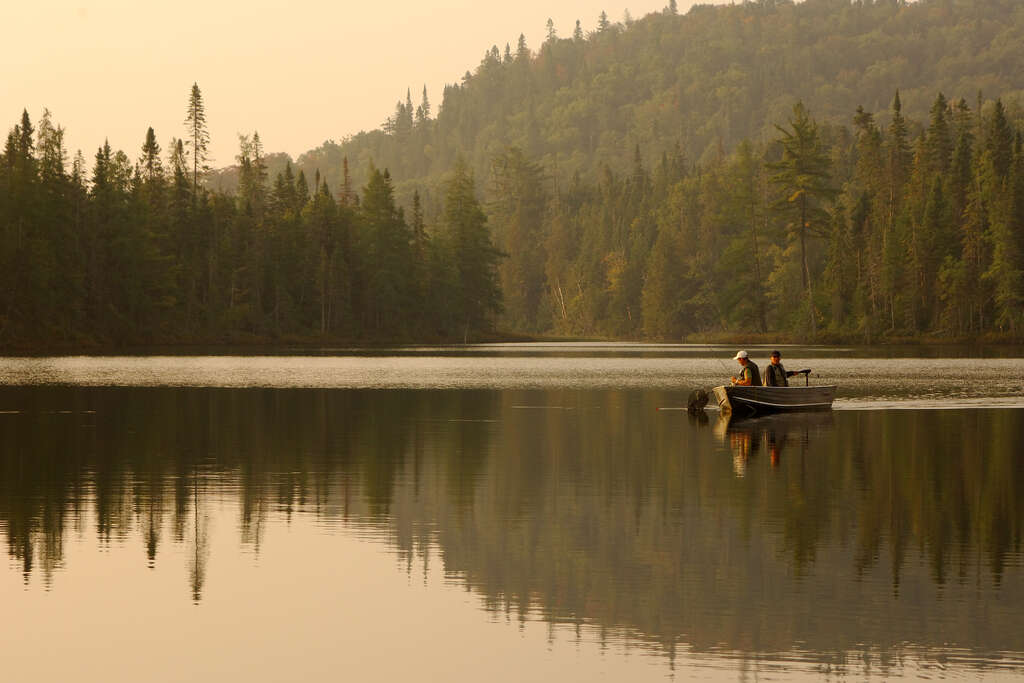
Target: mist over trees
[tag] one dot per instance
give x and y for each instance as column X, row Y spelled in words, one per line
column 745, row 169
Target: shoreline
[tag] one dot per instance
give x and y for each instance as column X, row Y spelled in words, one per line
column 276, row 346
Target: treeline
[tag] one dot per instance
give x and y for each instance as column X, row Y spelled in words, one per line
column 864, row 233
column 578, row 97
column 142, row 252
column 615, row 222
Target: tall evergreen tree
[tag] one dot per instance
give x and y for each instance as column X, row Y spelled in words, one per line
column 151, row 166
column 478, row 295
column 803, row 174
column 385, row 244
column 518, row 213
column 198, row 140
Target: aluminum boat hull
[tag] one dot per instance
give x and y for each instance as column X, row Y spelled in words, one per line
column 742, row 401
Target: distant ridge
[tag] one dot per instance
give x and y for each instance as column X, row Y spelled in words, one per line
column 705, row 80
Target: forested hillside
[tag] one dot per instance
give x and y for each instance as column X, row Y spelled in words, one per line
column 740, row 169
column 705, row 81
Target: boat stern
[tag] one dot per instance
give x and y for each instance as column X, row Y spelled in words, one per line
column 722, row 397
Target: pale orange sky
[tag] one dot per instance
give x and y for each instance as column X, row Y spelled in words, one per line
column 298, row 72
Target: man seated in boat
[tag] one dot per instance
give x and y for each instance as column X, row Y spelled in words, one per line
column 775, row 375
column 750, row 376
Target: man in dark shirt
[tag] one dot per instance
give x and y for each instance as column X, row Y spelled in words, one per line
column 750, row 376
column 775, row 375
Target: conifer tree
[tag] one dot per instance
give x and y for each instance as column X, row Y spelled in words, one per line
column 803, row 174
column 52, row 155
column 522, row 51
column 198, row 140
column 478, row 295
column 423, row 110
column 385, row 246
column 151, row 166
column 938, row 139
column 518, row 215
column 999, row 141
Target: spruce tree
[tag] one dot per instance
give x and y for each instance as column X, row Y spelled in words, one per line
column 198, row 140
column 803, row 174
column 938, row 139
column 478, row 295
column 385, row 246
column 151, row 166
column 999, row 140
column 50, row 144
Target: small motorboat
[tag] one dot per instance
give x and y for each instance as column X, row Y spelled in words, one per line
column 756, row 400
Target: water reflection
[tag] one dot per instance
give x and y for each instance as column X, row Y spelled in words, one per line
column 748, row 437
column 846, row 535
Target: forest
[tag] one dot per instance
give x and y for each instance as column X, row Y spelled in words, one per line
column 828, row 170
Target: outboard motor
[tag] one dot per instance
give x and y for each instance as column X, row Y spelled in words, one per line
column 695, row 404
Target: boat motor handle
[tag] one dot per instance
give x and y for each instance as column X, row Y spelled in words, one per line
column 806, row 373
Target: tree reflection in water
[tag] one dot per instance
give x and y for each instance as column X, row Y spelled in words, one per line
column 579, row 506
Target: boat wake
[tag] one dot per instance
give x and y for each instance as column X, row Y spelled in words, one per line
column 952, row 403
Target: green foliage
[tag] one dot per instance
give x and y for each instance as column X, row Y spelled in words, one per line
column 706, row 80
column 139, row 255
column 777, row 222
column 475, row 294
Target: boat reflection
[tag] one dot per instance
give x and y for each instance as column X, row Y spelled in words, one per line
column 749, row 437
column 587, row 507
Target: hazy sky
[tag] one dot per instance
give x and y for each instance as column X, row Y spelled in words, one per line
column 298, row 72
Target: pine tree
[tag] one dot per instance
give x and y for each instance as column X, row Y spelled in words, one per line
column 385, row 246
column 938, row 139
column 522, row 51
column 477, row 295
column 577, row 33
column 423, row 110
column 897, row 174
column 518, row 217
column 151, row 166
column 52, row 155
column 198, row 140
column 999, row 141
column 803, row 174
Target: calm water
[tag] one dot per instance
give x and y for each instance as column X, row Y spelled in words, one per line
column 507, row 513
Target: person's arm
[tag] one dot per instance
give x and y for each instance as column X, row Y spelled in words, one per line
column 745, row 378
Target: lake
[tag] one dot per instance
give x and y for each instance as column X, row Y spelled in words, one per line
column 509, row 513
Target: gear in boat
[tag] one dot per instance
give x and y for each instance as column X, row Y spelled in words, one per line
column 748, row 397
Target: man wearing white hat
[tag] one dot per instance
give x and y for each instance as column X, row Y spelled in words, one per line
column 750, row 376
